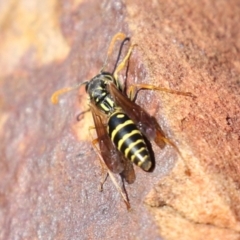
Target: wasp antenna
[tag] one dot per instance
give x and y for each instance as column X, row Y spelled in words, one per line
column 117, row 36
column 119, row 53
column 55, row 95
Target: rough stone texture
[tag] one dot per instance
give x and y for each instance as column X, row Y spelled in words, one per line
column 49, row 172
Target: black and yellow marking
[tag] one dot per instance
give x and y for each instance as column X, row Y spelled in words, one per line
column 128, row 139
column 97, row 90
column 107, row 104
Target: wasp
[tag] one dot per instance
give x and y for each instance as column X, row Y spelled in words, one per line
column 123, row 127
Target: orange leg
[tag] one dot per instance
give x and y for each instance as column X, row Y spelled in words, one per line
column 124, row 61
column 134, row 88
column 80, row 115
column 104, row 170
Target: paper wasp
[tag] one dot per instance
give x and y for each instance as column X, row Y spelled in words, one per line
column 122, row 126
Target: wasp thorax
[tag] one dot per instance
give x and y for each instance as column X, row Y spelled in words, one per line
column 99, row 94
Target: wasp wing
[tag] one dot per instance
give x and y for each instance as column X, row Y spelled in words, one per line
column 109, row 153
column 114, row 159
column 146, row 123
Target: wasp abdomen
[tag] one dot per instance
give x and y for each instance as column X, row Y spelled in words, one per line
column 128, row 139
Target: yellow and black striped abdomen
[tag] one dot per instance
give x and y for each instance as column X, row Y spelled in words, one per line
column 128, row 139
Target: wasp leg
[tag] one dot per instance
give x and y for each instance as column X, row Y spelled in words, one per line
column 122, row 191
column 80, row 115
column 104, row 171
column 124, row 61
column 103, row 180
column 109, row 173
column 116, row 37
column 134, row 88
